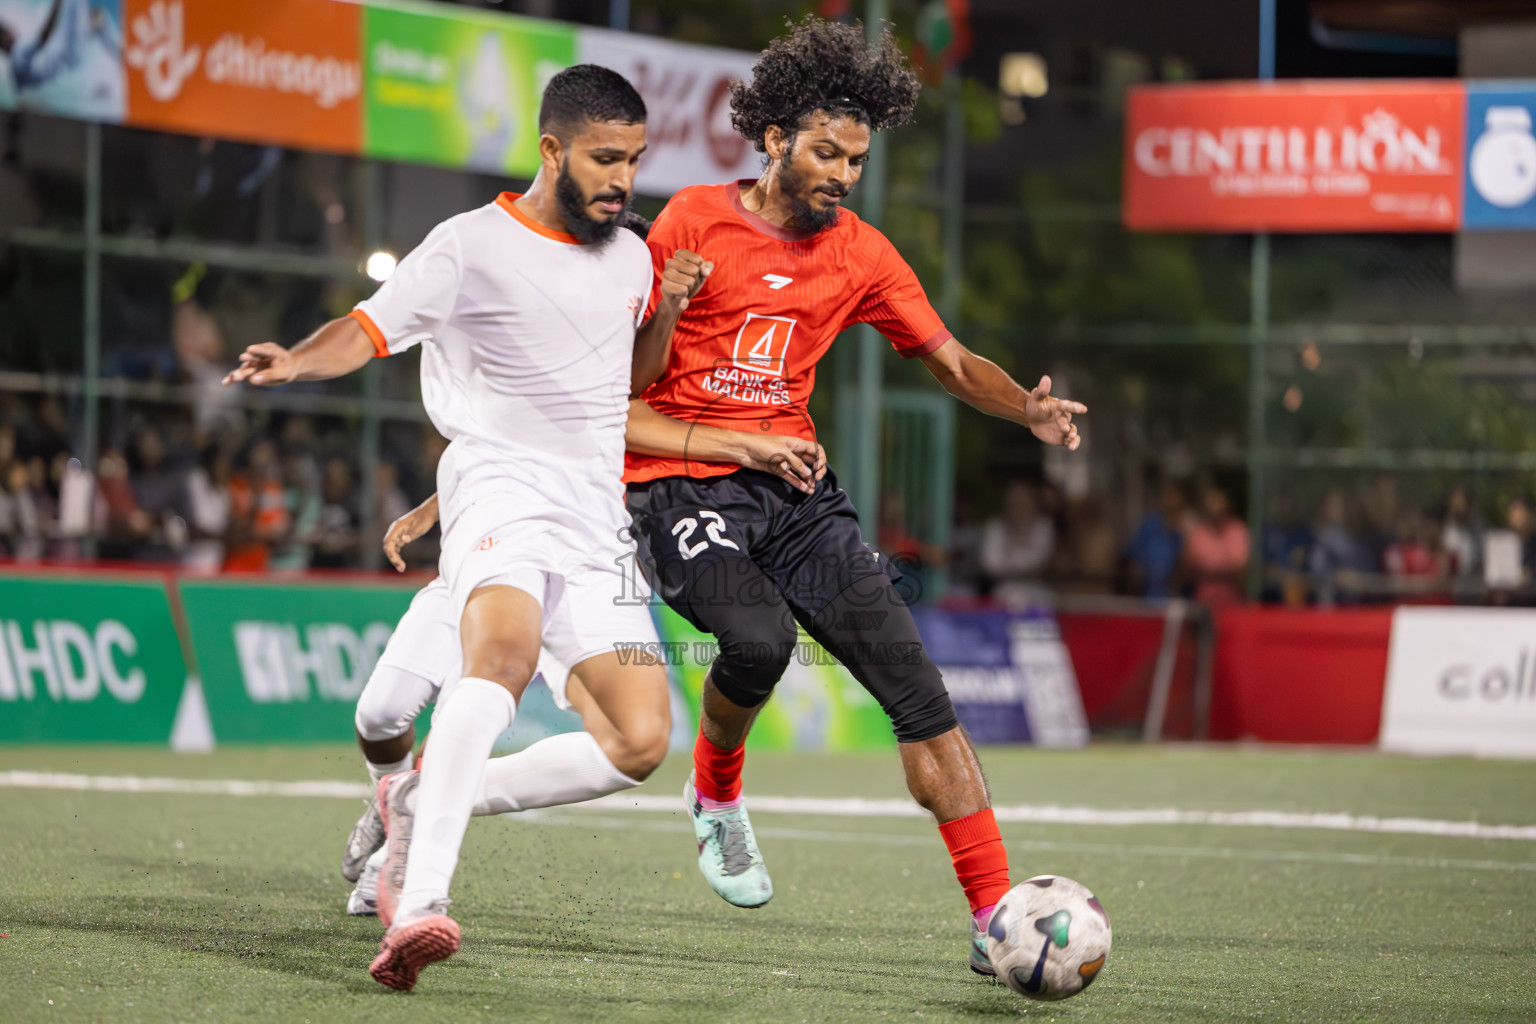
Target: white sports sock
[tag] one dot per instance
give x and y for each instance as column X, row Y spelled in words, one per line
column 376, row 772
column 563, row 769
column 462, row 734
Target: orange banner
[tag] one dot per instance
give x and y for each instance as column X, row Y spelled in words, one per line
column 1295, row 156
column 286, row 72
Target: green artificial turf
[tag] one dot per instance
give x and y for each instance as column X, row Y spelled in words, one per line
column 156, row 907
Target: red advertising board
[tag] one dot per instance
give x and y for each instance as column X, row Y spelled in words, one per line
column 1295, row 156
column 280, row 71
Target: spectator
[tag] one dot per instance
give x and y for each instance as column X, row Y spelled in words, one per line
column 1216, row 550
column 965, row 573
column 390, row 495
column 1153, row 554
column 1462, row 535
column 1017, row 546
column 336, row 535
column 1336, row 553
column 1287, row 542
column 1415, row 555
column 1093, row 551
column 258, row 506
column 1509, row 554
column 19, row 521
column 301, row 491
column 207, row 512
column 121, row 525
column 161, row 492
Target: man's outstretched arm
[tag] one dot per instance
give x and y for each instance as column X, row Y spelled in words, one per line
column 980, row 382
column 335, row 350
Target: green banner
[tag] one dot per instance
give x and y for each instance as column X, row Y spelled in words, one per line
column 284, row 663
column 459, row 88
column 87, row 659
column 818, row 705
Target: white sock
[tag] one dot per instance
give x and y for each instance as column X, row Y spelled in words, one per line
column 376, row 772
column 563, row 769
column 451, row 773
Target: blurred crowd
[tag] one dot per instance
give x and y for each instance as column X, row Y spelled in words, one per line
column 228, row 491
column 282, row 496
column 1356, row 548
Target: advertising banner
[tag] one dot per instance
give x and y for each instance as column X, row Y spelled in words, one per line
column 1295, row 156
column 63, row 57
column 818, row 705
column 284, row 663
column 1009, row 675
column 1461, row 681
column 285, row 72
column 687, row 97
column 87, row 660
column 1501, row 156
column 458, row 88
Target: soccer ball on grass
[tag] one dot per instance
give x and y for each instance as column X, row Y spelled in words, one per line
column 1048, row 938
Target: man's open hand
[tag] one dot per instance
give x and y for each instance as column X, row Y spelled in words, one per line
column 1050, row 419
column 265, row 364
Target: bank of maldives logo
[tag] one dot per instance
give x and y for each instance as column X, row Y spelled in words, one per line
column 1501, row 158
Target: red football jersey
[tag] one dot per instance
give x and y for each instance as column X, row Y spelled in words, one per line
column 745, row 351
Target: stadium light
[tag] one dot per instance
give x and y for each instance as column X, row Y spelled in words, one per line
column 380, row 265
column 1022, row 76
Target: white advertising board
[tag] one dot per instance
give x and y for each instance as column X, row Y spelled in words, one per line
column 1461, row 681
column 686, row 89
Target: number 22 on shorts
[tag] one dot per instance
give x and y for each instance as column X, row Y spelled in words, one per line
column 714, row 533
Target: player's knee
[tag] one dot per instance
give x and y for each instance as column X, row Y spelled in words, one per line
column 510, row 668
column 387, row 707
column 752, row 659
column 641, row 747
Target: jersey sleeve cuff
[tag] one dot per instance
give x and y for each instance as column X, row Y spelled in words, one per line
column 935, row 339
column 380, row 346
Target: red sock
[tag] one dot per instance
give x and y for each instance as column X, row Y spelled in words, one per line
column 981, row 863
column 716, row 772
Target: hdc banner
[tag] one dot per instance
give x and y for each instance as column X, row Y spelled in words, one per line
column 284, row 663
column 87, row 660
column 1295, row 156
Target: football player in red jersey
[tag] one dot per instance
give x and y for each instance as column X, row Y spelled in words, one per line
column 744, row 555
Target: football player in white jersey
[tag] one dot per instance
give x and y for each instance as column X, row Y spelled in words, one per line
column 422, row 656
column 527, row 312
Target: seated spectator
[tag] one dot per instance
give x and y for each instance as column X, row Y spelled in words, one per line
column 1337, row 556
column 1216, row 550
column 161, row 491
column 1016, row 548
column 1415, row 555
column 258, row 507
column 1287, row 542
column 1092, row 549
column 1509, row 554
column 207, row 512
column 120, row 524
column 336, row 534
column 1461, row 537
column 1153, row 554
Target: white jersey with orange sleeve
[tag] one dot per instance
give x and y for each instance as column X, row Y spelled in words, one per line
column 527, row 338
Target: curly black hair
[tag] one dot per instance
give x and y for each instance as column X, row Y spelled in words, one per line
column 828, row 66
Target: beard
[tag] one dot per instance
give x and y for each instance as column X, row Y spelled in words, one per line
column 573, row 208
column 807, row 214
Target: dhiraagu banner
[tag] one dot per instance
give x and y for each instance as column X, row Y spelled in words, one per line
column 458, row 88
column 284, row 663
column 87, row 660
column 818, row 705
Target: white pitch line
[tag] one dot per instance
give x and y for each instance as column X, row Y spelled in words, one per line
column 846, row 807
column 545, row 818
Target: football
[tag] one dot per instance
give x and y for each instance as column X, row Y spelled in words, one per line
column 1048, row 938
